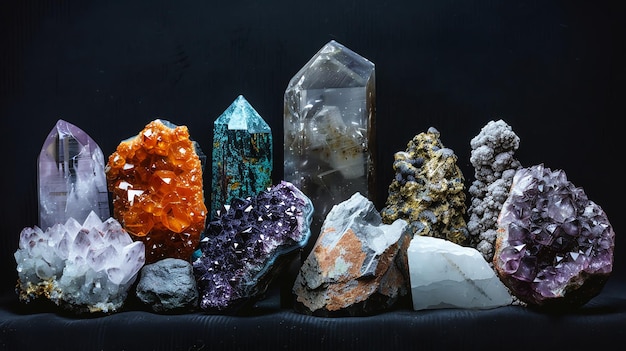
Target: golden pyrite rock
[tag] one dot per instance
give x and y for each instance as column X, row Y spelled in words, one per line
column 428, row 190
column 157, row 187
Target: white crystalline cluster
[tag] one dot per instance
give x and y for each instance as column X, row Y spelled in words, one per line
column 494, row 166
column 86, row 267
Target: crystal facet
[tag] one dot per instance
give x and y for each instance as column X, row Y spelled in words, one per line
column 329, row 124
column 428, row 190
column 157, row 185
column 242, row 154
column 554, row 247
column 358, row 264
column 71, row 177
column 249, row 244
column 446, row 275
column 82, row 267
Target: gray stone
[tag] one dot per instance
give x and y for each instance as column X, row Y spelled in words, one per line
column 168, row 285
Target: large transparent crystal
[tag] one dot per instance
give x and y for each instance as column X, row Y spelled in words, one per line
column 242, row 154
column 71, row 177
column 329, row 121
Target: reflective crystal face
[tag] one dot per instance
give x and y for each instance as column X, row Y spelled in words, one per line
column 158, row 196
column 242, row 154
column 328, row 128
column 71, row 177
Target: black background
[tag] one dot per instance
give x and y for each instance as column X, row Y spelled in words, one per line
column 553, row 70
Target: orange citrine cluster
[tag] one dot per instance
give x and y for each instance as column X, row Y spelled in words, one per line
column 156, row 182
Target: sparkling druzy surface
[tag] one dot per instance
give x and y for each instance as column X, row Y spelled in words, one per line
column 157, row 186
column 82, row 267
column 428, row 190
column 248, row 245
column 494, row 164
column 70, row 176
column 329, row 125
column 242, row 154
column 555, row 246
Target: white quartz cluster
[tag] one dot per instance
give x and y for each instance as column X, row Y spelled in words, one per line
column 86, row 267
column 447, row 275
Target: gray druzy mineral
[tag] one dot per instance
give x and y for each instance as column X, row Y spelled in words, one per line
column 555, row 246
column 494, row 166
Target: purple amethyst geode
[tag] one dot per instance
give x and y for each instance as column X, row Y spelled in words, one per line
column 248, row 244
column 554, row 247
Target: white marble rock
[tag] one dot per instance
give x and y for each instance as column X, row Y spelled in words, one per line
column 446, row 275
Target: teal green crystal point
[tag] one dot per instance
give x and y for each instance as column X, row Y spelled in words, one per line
column 242, row 154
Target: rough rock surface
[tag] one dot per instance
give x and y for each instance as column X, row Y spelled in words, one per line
column 494, row 164
column 554, row 247
column 168, row 286
column 357, row 266
column 428, row 190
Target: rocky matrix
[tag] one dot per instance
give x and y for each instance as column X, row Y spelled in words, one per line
column 82, row 267
column 428, row 190
column 329, row 126
column 248, row 245
column 494, row 164
column 70, row 177
column 357, row 266
column 157, row 186
column 554, row 247
column 242, row 154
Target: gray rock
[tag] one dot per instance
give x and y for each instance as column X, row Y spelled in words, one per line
column 168, row 286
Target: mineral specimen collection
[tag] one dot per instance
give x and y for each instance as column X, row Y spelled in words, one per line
column 329, row 125
column 157, row 186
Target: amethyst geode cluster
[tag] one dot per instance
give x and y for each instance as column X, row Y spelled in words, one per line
column 248, row 244
column 554, row 247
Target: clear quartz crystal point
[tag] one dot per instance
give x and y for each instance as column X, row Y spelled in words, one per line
column 71, row 178
column 329, row 125
column 242, row 154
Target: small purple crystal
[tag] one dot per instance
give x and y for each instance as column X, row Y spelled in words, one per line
column 248, row 244
column 554, row 247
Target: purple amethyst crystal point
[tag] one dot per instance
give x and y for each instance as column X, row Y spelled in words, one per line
column 71, row 177
column 554, row 247
column 247, row 245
